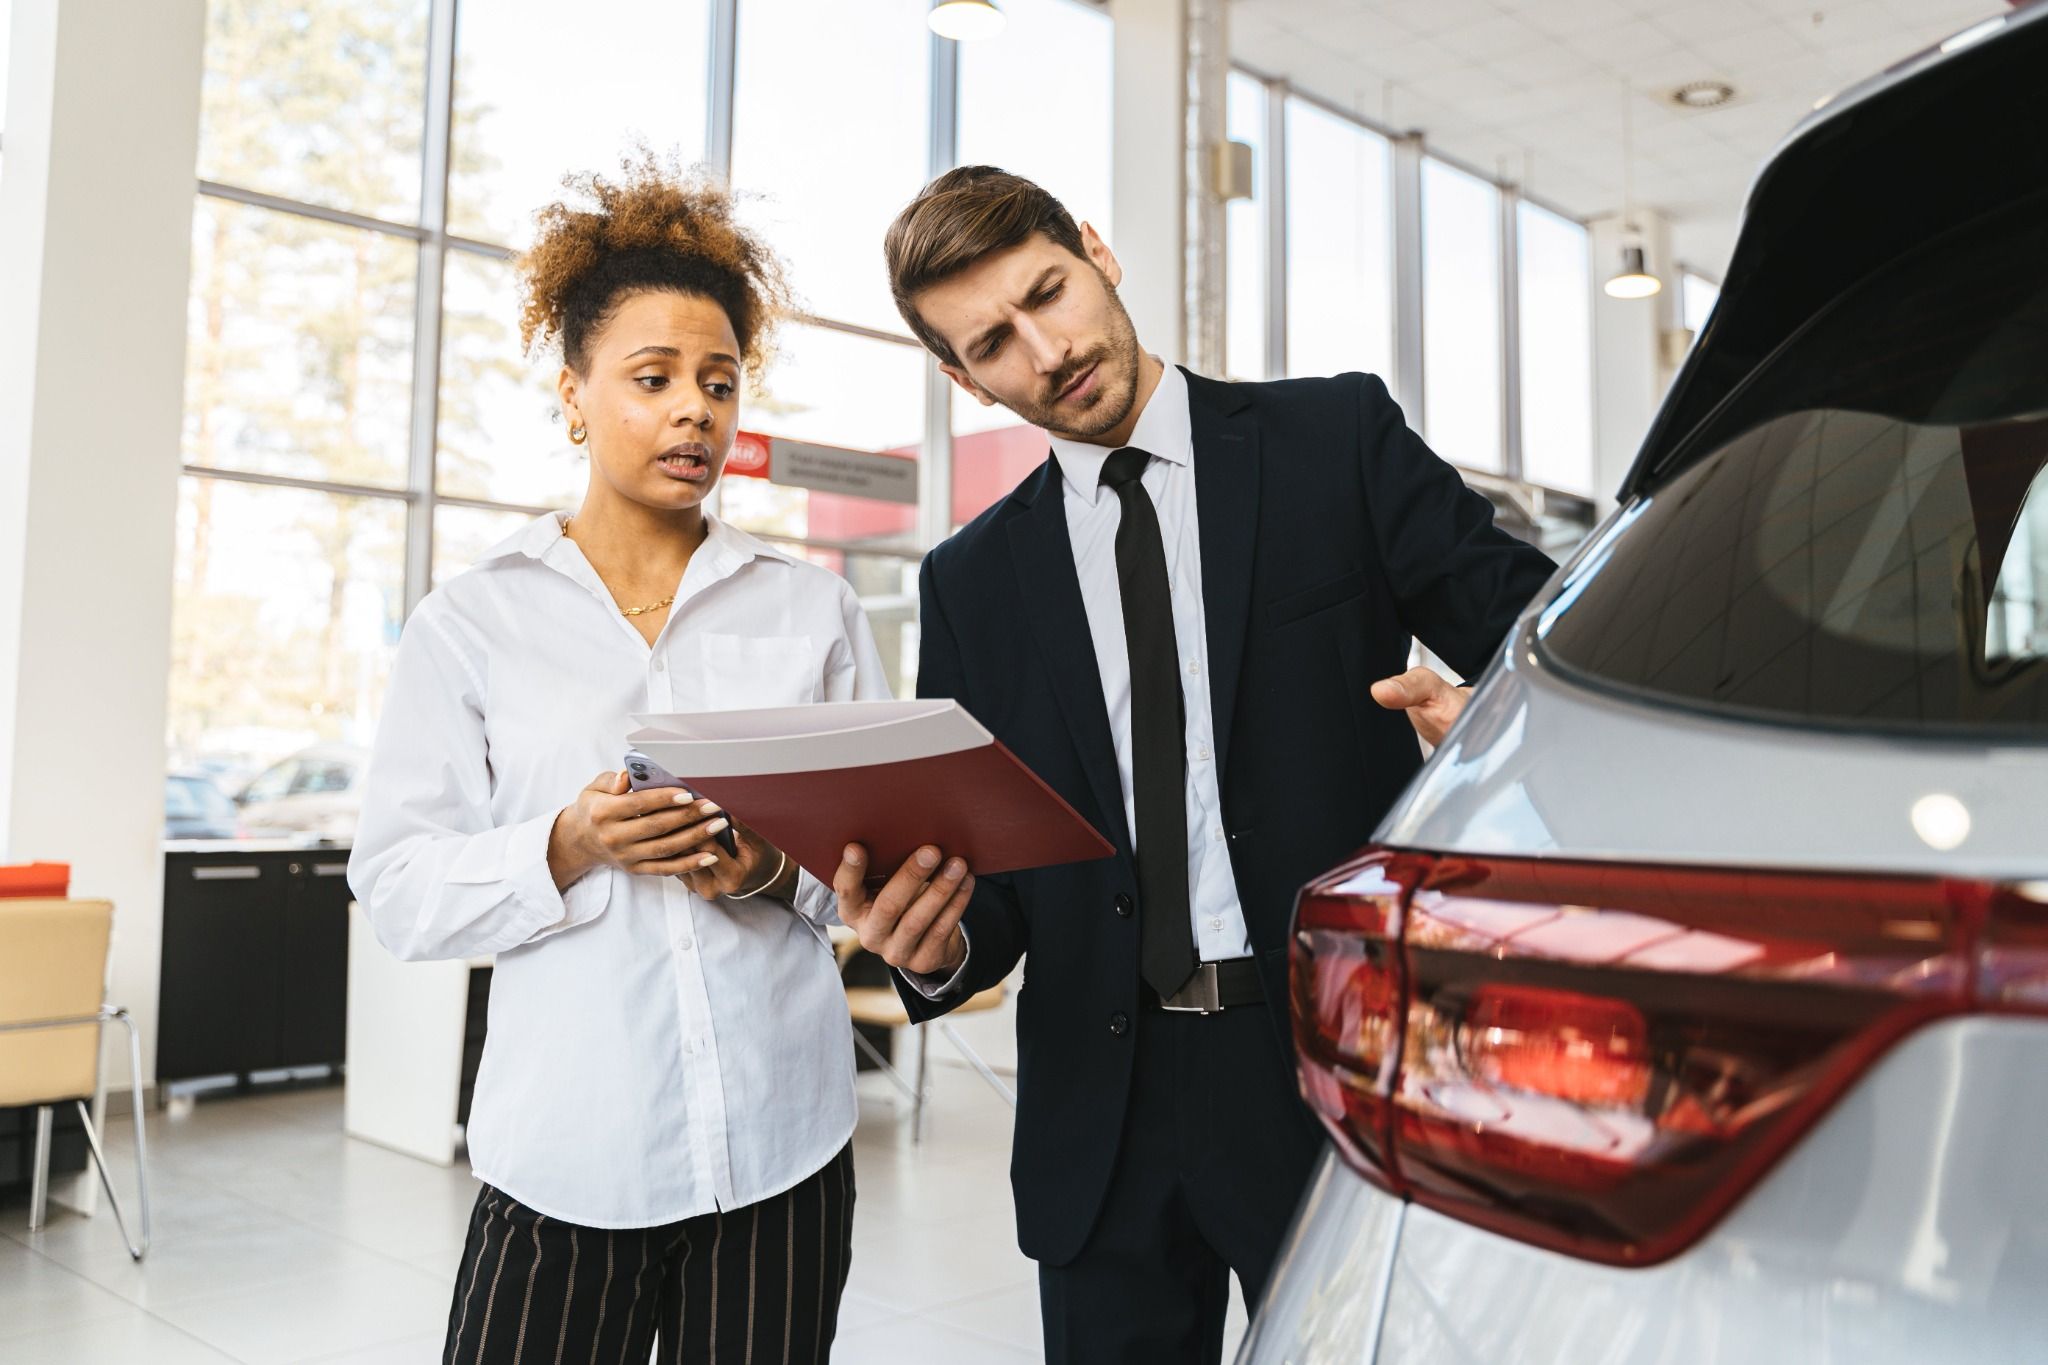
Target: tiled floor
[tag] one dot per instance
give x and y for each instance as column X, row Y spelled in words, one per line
column 280, row 1239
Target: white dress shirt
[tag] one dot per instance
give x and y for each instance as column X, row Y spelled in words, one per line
column 651, row 1055
column 1166, row 432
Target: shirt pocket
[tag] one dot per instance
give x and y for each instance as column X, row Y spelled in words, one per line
column 739, row 672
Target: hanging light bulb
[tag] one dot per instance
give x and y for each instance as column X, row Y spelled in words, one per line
column 965, row 20
column 1635, row 280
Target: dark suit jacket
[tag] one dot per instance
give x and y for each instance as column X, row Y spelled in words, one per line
column 1330, row 535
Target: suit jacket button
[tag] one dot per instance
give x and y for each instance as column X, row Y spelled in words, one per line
column 1123, row 906
column 1119, row 1023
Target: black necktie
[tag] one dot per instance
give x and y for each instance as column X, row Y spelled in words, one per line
column 1166, row 938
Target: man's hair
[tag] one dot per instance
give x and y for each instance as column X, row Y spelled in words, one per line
column 960, row 219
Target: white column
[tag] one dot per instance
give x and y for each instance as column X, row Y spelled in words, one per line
column 1629, row 375
column 1148, row 168
column 95, row 228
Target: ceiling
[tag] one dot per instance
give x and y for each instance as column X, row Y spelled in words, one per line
column 1533, row 90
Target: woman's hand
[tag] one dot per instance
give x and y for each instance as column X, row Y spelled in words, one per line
column 719, row 873
column 656, row 833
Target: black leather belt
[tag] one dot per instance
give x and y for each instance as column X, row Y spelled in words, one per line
column 1214, row 986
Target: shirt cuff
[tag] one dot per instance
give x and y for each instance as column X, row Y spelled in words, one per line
column 928, row 985
column 551, row 909
column 815, row 901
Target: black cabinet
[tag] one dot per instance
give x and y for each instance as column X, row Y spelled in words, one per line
column 255, row 961
column 18, row 1145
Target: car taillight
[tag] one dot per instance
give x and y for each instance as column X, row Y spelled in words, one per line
column 1602, row 1058
column 1346, row 980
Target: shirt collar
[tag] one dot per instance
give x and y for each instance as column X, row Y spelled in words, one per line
column 730, row 547
column 1164, row 429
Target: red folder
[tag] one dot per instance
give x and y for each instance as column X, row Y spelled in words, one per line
column 889, row 775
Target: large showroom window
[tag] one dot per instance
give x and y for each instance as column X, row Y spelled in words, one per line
column 1555, row 277
column 1247, row 107
column 361, row 423
column 1064, row 145
column 1461, row 317
column 1340, row 245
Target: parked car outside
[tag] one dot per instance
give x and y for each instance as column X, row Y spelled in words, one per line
column 1692, row 1003
column 194, row 808
column 317, row 791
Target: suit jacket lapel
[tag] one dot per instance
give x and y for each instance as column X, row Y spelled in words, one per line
column 1226, row 441
column 1044, row 556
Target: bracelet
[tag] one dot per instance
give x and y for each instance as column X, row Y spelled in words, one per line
column 781, row 866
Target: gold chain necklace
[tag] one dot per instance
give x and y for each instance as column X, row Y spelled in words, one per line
column 629, row 611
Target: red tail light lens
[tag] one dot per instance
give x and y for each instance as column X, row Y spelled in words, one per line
column 1602, row 1059
column 1582, row 1049
column 1347, row 985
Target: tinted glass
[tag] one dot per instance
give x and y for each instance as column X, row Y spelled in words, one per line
column 1866, row 539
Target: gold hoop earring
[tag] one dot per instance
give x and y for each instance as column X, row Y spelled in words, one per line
column 578, row 434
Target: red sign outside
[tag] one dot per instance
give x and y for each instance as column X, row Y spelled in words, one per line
column 749, row 456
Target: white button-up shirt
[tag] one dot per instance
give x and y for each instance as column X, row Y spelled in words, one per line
column 1165, row 430
column 651, row 1056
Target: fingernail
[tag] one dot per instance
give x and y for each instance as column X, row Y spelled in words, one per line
column 711, row 808
column 683, row 798
column 715, row 826
column 927, row 857
column 955, row 869
column 852, row 854
column 707, row 860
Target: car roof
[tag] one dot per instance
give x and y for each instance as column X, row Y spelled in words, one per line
column 345, row 753
column 1927, row 145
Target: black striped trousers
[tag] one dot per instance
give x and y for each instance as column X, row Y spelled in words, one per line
column 758, row 1285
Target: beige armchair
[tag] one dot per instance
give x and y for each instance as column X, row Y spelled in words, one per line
column 53, row 972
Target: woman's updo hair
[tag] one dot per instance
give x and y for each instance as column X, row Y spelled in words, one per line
column 653, row 227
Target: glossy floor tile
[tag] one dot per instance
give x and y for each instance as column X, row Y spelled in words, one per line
column 280, row 1239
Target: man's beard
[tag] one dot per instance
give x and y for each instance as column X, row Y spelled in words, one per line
column 1118, row 359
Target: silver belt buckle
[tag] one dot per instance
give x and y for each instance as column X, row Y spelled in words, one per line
column 1201, row 994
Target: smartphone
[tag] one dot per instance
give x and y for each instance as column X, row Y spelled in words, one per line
column 644, row 774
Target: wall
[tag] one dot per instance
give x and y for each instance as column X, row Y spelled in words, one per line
column 95, row 227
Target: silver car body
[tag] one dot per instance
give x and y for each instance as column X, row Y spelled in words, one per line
column 1911, row 1224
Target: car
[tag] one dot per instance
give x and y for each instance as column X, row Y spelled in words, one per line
column 1691, row 1004
column 317, row 791
column 194, row 808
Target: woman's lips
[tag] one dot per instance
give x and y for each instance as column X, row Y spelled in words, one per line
column 688, row 466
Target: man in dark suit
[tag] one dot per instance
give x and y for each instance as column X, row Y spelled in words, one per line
column 1192, row 621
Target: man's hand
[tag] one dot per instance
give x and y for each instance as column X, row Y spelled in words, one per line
column 1430, row 700
column 912, row 923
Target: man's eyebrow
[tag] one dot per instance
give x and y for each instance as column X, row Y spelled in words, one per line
column 1037, row 288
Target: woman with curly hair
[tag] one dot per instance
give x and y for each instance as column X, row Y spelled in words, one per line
column 662, row 1116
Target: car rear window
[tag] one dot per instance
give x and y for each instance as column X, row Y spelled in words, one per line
column 1860, row 534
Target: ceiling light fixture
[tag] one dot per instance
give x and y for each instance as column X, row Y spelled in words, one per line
column 1703, row 94
column 1635, row 280
column 965, row 20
